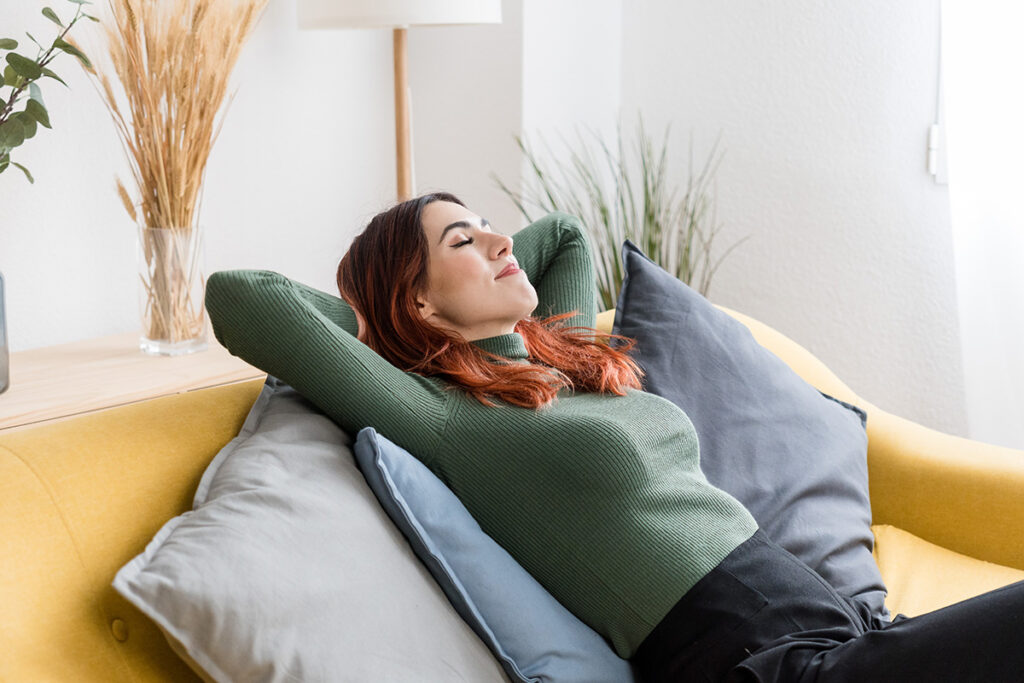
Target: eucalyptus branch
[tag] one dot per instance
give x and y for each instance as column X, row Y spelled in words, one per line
column 22, row 73
column 42, row 61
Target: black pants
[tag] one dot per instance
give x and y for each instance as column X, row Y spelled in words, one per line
column 763, row 615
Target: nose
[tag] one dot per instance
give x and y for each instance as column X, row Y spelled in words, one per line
column 502, row 246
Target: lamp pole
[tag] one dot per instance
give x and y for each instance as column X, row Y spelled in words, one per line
column 403, row 121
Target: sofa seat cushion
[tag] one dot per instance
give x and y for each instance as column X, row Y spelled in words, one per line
column 923, row 577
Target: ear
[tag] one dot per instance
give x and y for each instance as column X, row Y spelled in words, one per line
column 361, row 334
column 360, row 321
column 425, row 308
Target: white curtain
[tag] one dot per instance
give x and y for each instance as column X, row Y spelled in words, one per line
column 983, row 73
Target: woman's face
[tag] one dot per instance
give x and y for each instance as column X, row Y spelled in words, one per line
column 464, row 292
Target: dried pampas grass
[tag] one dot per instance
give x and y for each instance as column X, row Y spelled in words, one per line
column 172, row 60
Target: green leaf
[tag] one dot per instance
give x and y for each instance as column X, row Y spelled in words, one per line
column 80, row 2
column 89, row 16
column 25, row 171
column 62, row 44
column 8, row 44
column 52, row 16
column 28, row 123
column 38, row 112
column 4, row 163
column 33, row 39
column 25, row 67
column 12, row 133
column 36, row 93
column 11, row 77
column 49, row 73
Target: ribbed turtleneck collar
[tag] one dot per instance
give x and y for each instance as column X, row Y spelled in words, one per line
column 509, row 345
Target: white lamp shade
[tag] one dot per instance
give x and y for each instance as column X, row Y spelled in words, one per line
column 392, row 13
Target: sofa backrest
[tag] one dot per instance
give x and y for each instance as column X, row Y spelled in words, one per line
column 78, row 499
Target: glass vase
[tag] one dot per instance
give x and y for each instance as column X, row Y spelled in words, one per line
column 5, row 379
column 171, row 267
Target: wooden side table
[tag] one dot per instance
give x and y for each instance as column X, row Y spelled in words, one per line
column 58, row 382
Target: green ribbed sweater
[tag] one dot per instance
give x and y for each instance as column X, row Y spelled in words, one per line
column 600, row 497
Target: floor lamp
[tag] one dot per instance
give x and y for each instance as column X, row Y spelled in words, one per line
column 399, row 15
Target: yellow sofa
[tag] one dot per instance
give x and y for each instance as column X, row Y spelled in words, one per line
column 81, row 497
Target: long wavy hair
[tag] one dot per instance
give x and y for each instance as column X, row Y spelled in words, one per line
column 384, row 270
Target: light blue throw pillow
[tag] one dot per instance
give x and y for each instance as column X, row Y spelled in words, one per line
column 500, row 600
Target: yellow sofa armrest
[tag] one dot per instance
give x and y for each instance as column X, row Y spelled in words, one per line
column 961, row 494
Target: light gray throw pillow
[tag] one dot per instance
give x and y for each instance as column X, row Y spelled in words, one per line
column 287, row 568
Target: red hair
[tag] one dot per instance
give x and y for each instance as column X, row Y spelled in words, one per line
column 384, row 270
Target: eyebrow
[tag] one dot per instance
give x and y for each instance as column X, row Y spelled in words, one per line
column 462, row 224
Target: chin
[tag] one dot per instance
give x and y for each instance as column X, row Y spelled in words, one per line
column 532, row 301
column 529, row 309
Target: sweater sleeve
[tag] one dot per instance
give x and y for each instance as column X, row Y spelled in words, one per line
column 555, row 255
column 305, row 337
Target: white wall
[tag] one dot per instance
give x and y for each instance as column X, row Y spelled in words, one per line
column 824, row 110
column 982, row 57
column 305, row 157
column 572, row 68
column 466, row 84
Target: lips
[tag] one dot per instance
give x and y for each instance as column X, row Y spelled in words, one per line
column 510, row 269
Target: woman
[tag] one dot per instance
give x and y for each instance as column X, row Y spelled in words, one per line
column 593, row 485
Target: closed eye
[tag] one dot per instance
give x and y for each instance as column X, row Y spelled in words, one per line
column 484, row 223
column 465, row 241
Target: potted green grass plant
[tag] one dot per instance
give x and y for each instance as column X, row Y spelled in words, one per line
column 625, row 193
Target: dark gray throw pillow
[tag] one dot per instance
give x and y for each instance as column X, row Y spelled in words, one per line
column 796, row 458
